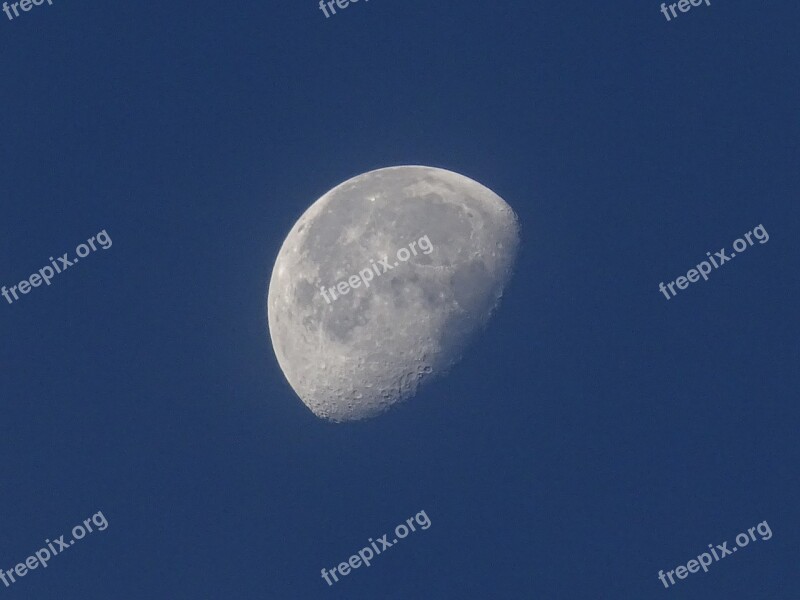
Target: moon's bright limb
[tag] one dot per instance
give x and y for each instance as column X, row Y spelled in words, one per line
column 369, row 348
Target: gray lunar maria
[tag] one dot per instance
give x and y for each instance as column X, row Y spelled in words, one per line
column 353, row 354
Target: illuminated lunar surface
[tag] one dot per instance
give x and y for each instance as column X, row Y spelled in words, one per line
column 354, row 356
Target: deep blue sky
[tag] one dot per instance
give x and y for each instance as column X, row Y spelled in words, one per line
column 595, row 433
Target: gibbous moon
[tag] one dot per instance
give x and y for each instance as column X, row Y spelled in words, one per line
column 382, row 281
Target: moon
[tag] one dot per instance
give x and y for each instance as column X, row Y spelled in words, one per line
column 381, row 283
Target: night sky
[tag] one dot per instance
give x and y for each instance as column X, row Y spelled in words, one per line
column 594, row 434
